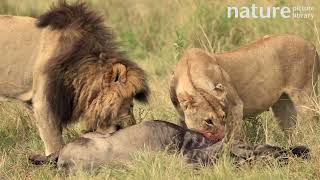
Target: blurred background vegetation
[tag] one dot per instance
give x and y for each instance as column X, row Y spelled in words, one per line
column 155, row 34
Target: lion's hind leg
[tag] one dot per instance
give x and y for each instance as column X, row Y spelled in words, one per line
column 285, row 113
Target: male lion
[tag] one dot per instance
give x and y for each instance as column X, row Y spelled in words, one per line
column 210, row 91
column 69, row 65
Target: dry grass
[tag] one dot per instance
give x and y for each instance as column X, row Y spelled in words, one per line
column 155, row 34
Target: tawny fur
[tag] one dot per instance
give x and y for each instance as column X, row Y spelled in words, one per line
column 78, row 72
column 214, row 91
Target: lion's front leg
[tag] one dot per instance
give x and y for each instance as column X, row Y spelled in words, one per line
column 49, row 127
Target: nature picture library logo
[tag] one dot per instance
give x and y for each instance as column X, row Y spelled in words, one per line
column 253, row 11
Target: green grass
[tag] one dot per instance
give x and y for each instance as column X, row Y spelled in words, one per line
column 155, row 34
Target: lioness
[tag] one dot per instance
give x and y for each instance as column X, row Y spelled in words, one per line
column 93, row 149
column 67, row 63
column 211, row 91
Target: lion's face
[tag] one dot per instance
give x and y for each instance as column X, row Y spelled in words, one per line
column 125, row 117
column 121, row 113
column 112, row 107
column 112, row 112
column 205, row 113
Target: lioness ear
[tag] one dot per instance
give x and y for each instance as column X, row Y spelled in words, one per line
column 219, row 91
column 119, row 73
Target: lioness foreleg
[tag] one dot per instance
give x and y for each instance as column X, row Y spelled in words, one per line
column 234, row 121
column 234, row 115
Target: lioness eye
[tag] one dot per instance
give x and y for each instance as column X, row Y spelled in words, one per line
column 209, row 121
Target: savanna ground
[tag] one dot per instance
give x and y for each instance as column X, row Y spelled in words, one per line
column 155, row 34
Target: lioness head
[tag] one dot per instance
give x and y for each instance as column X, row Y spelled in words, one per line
column 205, row 111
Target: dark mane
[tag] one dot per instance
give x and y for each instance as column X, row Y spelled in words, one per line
column 62, row 15
column 88, row 50
column 84, row 27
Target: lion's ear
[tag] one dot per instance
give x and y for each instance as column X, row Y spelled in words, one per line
column 119, row 73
